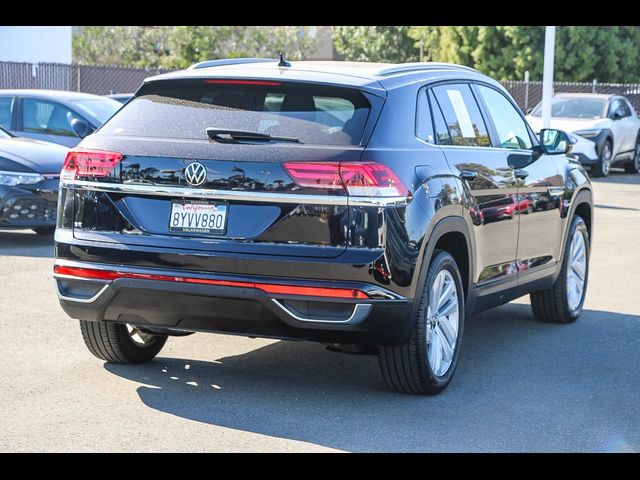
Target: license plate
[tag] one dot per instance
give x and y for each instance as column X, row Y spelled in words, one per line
column 198, row 217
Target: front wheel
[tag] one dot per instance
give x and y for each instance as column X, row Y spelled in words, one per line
column 562, row 303
column 634, row 165
column 118, row 343
column 425, row 364
column 603, row 165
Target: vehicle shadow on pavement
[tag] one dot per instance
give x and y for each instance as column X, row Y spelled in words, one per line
column 24, row 243
column 520, row 386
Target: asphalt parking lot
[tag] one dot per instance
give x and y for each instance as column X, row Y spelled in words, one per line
column 520, row 385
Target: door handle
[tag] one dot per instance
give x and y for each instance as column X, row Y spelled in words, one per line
column 468, row 175
column 521, row 174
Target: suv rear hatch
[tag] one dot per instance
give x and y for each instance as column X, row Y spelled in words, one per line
column 228, row 165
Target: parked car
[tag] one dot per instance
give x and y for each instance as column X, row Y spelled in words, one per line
column 29, row 173
column 54, row 116
column 609, row 122
column 334, row 202
column 505, row 208
column 121, row 97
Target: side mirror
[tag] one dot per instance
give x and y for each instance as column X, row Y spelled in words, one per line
column 617, row 115
column 556, row 142
column 80, row 127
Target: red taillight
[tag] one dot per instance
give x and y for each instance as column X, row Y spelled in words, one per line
column 315, row 175
column 242, row 82
column 91, row 163
column 360, row 179
column 327, row 292
column 370, row 179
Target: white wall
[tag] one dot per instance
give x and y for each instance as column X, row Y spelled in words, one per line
column 35, row 44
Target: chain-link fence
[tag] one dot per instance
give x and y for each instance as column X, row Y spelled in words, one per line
column 104, row 79
column 99, row 79
column 528, row 94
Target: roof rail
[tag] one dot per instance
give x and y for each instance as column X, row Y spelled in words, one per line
column 229, row 61
column 418, row 66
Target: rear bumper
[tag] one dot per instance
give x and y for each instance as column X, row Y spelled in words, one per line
column 235, row 309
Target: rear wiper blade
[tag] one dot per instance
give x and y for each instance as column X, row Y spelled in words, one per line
column 227, row 135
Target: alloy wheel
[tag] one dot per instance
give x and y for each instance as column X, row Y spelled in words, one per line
column 442, row 323
column 577, row 270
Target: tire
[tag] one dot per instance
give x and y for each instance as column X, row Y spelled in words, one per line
column 634, row 165
column 44, row 230
column 114, row 343
column 556, row 305
column 409, row 368
column 602, row 167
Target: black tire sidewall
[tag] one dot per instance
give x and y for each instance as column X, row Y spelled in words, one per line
column 441, row 261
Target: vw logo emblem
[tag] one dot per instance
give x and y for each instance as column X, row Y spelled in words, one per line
column 195, row 173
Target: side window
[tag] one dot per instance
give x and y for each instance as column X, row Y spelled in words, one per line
column 625, row 107
column 510, row 126
column 41, row 116
column 5, row 112
column 462, row 115
column 614, row 106
column 424, row 125
column 442, row 131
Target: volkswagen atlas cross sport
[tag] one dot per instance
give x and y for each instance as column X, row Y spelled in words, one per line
column 326, row 201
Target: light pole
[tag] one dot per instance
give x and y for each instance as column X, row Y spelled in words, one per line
column 547, row 77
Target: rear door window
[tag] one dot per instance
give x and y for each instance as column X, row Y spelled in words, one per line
column 462, row 115
column 41, row 116
column 314, row 114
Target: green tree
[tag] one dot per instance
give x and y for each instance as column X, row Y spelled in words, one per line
column 121, row 45
column 610, row 54
column 375, row 44
column 179, row 47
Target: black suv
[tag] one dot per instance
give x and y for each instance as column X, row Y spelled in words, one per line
column 373, row 206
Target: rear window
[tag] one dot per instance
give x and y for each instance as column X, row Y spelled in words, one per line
column 314, row 114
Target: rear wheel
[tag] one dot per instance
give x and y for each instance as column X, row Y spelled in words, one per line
column 118, row 343
column 426, row 362
column 562, row 303
column 634, row 165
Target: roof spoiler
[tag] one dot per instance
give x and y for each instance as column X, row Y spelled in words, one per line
column 229, row 61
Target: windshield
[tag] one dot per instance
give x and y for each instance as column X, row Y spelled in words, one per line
column 575, row 108
column 310, row 113
column 98, row 109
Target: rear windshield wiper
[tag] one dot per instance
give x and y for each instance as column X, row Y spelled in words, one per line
column 227, row 135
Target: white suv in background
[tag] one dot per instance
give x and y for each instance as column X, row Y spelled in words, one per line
column 609, row 122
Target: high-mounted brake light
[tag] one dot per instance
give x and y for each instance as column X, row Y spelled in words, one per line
column 89, row 163
column 272, row 288
column 360, row 179
column 242, row 82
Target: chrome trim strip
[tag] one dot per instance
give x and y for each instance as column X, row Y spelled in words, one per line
column 62, row 296
column 360, row 310
column 268, row 197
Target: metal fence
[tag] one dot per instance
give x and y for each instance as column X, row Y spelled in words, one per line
column 99, row 79
column 528, row 94
column 104, row 79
